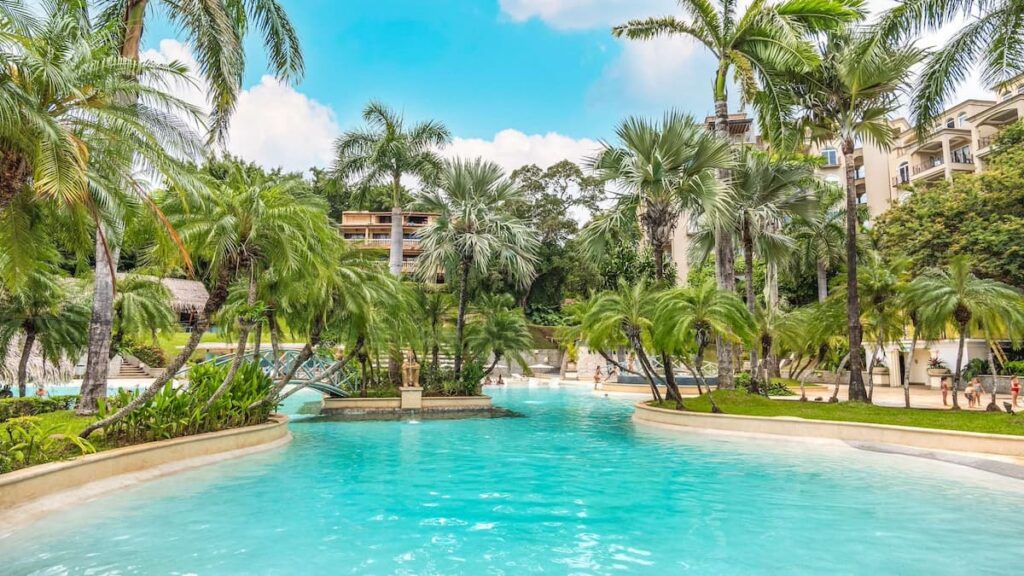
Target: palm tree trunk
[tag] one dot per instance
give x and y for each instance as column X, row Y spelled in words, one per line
column 839, row 376
column 97, row 365
column 490, row 368
column 822, row 282
column 906, row 371
column 748, row 279
column 244, row 326
column 14, row 176
column 959, row 361
column 338, row 366
column 257, row 341
column 26, row 353
column 94, row 381
column 698, row 365
column 395, row 261
column 671, row 389
column 724, row 268
column 460, row 321
column 275, row 342
column 856, row 390
column 871, row 371
column 772, row 360
column 992, row 407
column 622, row 367
column 202, row 324
column 649, row 372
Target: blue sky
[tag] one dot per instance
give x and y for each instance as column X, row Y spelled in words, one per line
column 518, row 80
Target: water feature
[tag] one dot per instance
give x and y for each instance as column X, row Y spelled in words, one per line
column 572, row 488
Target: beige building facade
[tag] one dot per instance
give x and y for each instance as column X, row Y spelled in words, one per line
column 372, row 231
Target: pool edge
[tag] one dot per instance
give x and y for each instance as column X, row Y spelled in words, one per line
column 27, row 494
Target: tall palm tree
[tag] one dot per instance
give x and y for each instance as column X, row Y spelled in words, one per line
column 664, row 168
column 216, row 31
column 386, row 150
column 46, row 311
column 989, row 40
column 474, row 233
column 766, row 40
column 953, row 295
column 698, row 314
column 820, row 237
column 766, row 192
column 849, row 97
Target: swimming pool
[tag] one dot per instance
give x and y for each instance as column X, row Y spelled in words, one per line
column 571, row 488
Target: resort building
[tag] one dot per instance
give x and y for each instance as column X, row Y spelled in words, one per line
column 372, row 231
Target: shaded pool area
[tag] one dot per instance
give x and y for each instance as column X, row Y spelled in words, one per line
column 571, row 488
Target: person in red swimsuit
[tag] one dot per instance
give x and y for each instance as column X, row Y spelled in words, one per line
column 1014, row 389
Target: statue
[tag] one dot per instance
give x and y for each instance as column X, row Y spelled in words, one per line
column 410, row 371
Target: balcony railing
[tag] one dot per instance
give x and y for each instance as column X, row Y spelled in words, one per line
column 926, row 166
column 985, row 142
column 960, row 157
column 386, row 242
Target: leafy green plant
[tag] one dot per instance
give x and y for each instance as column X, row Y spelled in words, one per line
column 775, row 387
column 24, row 442
column 174, row 412
column 30, row 406
column 152, row 356
column 1014, row 367
column 975, row 367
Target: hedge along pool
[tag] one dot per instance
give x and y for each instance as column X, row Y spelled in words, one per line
column 570, row 488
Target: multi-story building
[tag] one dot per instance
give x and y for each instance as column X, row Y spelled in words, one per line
column 372, row 231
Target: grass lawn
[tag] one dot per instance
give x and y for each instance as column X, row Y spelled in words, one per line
column 67, row 422
column 742, row 403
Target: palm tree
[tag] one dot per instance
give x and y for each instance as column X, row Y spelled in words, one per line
column 434, row 307
column 954, row 295
column 499, row 332
column 216, row 31
column 47, row 312
column 849, row 97
column 759, row 45
column 626, row 314
column 698, row 314
column 989, row 40
column 766, row 192
column 386, row 150
column 141, row 306
column 474, row 233
column 664, row 169
column 881, row 284
column 239, row 227
column 820, row 237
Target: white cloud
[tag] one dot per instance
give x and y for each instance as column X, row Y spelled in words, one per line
column 512, row 149
column 664, row 71
column 273, row 125
column 582, row 14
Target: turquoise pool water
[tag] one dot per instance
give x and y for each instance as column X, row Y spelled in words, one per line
column 571, row 488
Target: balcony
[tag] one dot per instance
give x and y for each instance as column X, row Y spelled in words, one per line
column 384, row 243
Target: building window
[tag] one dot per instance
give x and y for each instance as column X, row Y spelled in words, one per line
column 383, row 219
column 831, row 157
column 962, row 155
column 904, row 172
column 961, row 120
column 949, row 123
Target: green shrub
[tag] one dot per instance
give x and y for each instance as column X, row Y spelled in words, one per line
column 152, row 356
column 1014, row 367
column 24, row 442
column 179, row 412
column 31, row 405
column 976, row 367
column 442, row 382
column 776, row 387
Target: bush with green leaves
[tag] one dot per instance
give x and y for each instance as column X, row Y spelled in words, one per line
column 152, row 356
column 1014, row 367
column 31, row 406
column 24, row 442
column 182, row 411
column 775, row 387
column 976, row 367
column 442, row 381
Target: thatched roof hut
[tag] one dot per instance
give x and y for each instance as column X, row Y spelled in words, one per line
column 186, row 295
